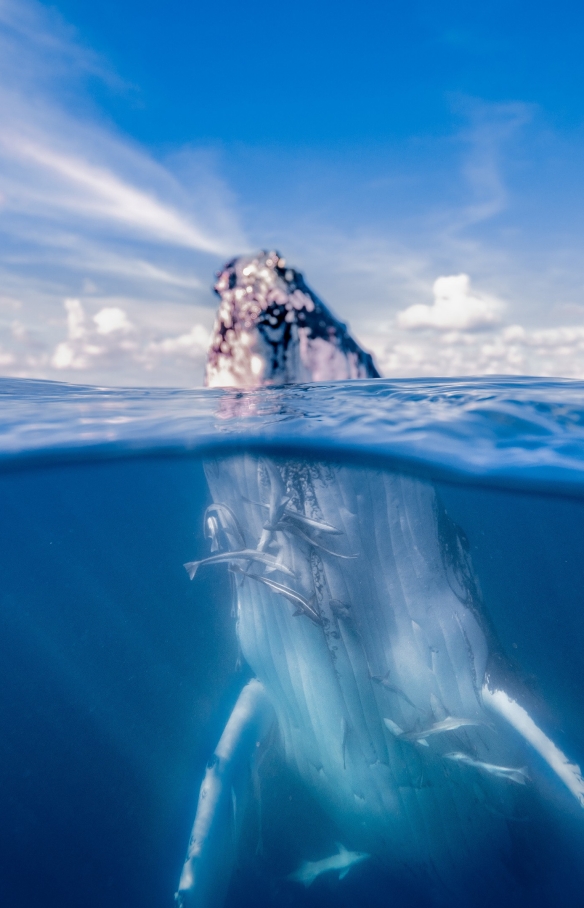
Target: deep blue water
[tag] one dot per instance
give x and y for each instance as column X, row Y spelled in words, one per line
column 118, row 673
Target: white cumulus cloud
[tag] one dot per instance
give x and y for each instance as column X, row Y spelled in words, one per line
column 501, row 350
column 111, row 319
column 456, row 307
column 108, row 341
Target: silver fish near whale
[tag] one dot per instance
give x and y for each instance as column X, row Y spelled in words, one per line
column 419, row 781
column 519, row 775
column 302, row 605
column 438, row 728
column 342, row 861
column 192, row 567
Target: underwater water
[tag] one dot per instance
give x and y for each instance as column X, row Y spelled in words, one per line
column 433, row 535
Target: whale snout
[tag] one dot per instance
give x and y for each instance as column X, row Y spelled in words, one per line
column 271, row 329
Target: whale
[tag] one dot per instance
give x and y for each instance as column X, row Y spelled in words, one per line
column 393, row 702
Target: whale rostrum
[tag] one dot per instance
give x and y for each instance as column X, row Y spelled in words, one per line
column 373, row 653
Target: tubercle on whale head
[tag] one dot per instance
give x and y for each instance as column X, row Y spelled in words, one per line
column 271, row 329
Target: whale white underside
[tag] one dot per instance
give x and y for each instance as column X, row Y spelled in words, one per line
column 405, row 616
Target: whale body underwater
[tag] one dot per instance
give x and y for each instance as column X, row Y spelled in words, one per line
column 375, row 667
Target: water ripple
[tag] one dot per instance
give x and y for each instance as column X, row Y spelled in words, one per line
column 519, row 432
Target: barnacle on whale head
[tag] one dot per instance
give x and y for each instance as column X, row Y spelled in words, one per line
column 272, row 329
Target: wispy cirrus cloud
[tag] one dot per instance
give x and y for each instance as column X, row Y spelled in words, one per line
column 84, row 210
column 49, row 183
column 35, row 40
column 489, row 131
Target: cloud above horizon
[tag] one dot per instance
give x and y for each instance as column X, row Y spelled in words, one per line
column 462, row 333
column 87, row 213
column 109, row 337
column 55, row 184
column 513, row 350
column 108, row 248
column 455, row 308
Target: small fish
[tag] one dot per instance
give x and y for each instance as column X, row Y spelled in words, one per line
column 449, row 724
column 303, row 605
column 342, row 861
column 288, row 527
column 278, row 498
column 320, row 525
column 340, row 609
column 394, row 728
column 518, row 775
column 398, row 732
column 293, row 515
column 220, row 517
column 192, row 567
column 385, row 682
column 212, row 532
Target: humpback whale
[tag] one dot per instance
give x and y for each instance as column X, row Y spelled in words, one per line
column 393, row 703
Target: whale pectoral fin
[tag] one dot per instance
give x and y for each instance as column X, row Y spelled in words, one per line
column 213, row 844
column 344, row 873
column 509, row 709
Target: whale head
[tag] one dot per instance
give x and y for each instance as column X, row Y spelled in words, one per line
column 271, row 329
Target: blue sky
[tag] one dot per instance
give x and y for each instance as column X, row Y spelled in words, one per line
column 421, row 163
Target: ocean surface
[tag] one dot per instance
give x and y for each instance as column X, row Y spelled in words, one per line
column 118, row 672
